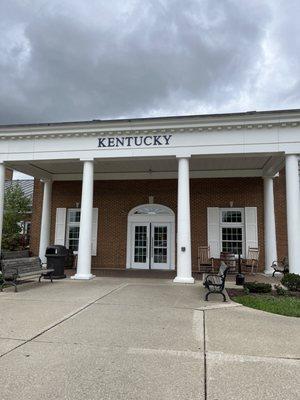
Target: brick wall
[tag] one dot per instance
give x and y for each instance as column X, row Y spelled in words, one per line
column 116, row 198
column 8, row 174
column 36, row 216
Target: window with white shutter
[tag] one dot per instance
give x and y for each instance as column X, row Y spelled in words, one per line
column 231, row 230
column 67, row 228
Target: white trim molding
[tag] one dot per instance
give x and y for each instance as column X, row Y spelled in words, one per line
column 265, row 120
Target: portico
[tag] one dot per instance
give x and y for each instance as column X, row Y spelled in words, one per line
column 132, row 163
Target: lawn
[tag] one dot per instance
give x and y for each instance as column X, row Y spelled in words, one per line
column 283, row 305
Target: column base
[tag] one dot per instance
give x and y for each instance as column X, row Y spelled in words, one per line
column 179, row 279
column 83, row 276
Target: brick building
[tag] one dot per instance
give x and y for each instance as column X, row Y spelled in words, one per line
column 146, row 193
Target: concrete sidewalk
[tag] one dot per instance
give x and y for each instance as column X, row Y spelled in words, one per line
column 127, row 338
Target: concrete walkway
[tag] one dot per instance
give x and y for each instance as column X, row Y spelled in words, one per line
column 127, row 338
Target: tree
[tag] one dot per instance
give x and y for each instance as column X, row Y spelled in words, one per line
column 16, row 206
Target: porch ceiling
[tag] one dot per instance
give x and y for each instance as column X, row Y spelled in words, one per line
column 166, row 167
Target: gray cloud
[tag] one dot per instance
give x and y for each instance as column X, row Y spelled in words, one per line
column 73, row 60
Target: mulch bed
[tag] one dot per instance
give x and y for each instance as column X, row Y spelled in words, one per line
column 240, row 292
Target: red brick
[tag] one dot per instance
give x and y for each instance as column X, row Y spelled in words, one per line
column 115, row 199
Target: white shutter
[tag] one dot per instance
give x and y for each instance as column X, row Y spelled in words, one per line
column 213, row 231
column 60, row 226
column 94, row 231
column 251, row 227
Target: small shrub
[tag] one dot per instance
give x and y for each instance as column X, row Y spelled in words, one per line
column 292, row 282
column 255, row 287
column 280, row 290
column 246, row 290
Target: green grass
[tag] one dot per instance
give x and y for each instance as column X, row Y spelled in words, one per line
column 285, row 305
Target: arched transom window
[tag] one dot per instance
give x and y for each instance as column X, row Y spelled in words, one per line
column 151, row 209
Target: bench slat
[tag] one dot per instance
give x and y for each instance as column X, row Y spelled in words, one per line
column 8, row 255
column 22, row 266
column 34, row 273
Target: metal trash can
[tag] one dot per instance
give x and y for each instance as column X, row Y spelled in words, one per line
column 56, row 258
column 240, row 279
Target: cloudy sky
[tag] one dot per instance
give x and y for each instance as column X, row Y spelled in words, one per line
column 96, row 59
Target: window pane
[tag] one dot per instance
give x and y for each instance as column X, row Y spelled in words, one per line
column 140, row 244
column 232, row 240
column 233, row 216
column 160, row 251
column 73, row 232
column 73, row 244
column 74, row 216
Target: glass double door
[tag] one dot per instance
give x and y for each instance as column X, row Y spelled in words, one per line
column 151, row 245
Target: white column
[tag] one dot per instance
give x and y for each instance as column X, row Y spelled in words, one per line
column 46, row 219
column 184, row 261
column 2, row 187
column 270, row 228
column 86, row 219
column 292, row 203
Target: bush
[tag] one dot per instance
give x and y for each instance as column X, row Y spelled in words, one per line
column 292, row 282
column 255, row 287
column 16, row 206
column 280, row 290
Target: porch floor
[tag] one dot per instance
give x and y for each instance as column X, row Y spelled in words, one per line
column 160, row 274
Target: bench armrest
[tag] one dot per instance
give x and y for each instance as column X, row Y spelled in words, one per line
column 274, row 264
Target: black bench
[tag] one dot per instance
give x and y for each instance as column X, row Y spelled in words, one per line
column 8, row 255
column 215, row 283
column 281, row 266
column 22, row 268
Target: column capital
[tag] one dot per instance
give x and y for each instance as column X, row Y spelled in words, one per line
column 87, row 159
column 289, row 157
column 46, row 180
column 186, row 157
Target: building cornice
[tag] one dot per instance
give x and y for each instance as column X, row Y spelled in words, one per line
column 230, row 122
